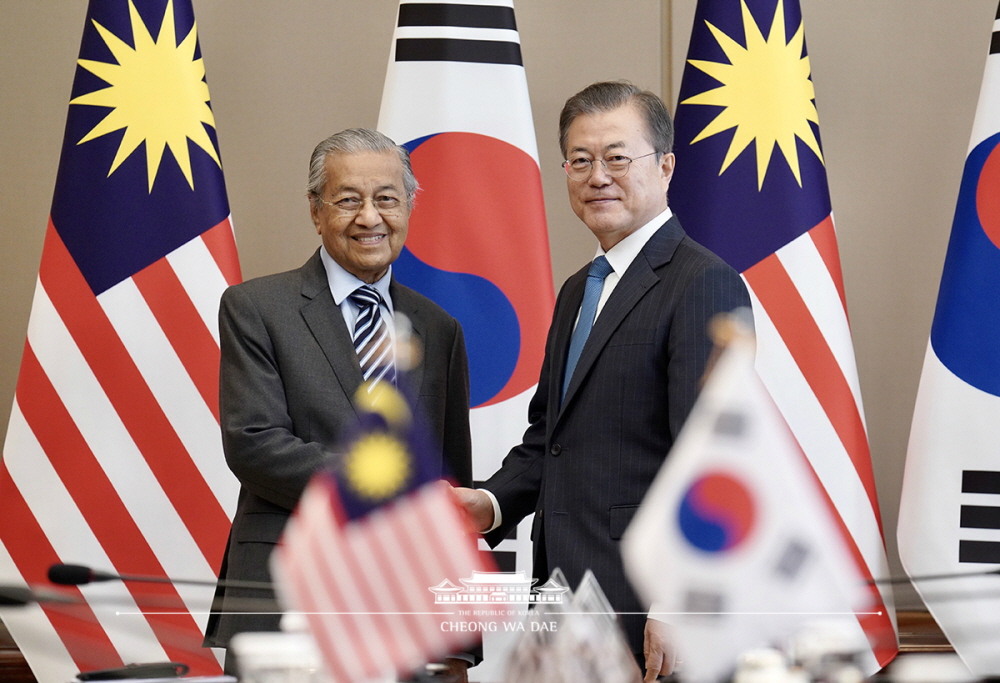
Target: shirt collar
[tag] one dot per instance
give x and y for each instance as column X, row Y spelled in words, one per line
column 622, row 254
column 342, row 283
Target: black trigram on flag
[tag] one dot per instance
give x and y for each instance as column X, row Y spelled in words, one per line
column 980, row 517
column 445, row 32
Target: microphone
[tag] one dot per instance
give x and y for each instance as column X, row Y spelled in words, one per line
column 77, row 574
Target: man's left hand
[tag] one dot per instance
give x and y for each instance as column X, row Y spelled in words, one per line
column 659, row 648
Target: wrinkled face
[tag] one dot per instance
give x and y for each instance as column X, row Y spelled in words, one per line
column 364, row 215
column 614, row 208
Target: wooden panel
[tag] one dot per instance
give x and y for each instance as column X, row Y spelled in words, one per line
column 13, row 668
column 918, row 632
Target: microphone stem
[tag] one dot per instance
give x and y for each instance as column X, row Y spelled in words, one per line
column 252, row 585
column 895, row 580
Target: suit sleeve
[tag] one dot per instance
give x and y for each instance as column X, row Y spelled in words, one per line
column 716, row 289
column 457, row 446
column 260, row 447
column 518, row 482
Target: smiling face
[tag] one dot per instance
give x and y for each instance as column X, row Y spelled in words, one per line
column 366, row 243
column 614, row 208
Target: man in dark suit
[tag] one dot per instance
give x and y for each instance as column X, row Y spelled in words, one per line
column 291, row 367
column 611, row 400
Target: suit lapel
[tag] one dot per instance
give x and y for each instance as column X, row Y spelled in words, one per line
column 636, row 281
column 326, row 323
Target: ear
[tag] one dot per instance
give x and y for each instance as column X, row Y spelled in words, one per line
column 666, row 169
column 314, row 209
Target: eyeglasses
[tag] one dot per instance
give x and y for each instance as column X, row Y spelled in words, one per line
column 350, row 206
column 615, row 165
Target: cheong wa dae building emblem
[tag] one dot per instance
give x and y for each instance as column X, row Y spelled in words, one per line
column 498, row 587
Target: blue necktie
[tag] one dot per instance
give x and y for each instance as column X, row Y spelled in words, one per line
column 599, row 269
column 371, row 338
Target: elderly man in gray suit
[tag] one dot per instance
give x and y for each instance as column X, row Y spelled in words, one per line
column 297, row 346
column 624, row 357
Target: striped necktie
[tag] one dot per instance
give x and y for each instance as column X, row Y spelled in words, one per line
column 371, row 338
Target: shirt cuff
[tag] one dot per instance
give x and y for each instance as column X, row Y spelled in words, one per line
column 658, row 611
column 497, row 517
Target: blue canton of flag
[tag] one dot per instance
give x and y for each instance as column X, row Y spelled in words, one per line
column 766, row 166
column 119, row 208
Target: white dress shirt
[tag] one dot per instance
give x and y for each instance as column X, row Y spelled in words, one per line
column 343, row 284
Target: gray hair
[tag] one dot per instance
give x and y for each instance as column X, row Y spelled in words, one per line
column 356, row 141
column 610, row 95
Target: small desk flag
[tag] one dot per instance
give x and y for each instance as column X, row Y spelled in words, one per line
column 369, row 540
column 735, row 543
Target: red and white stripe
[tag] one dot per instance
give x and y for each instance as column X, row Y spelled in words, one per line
column 364, row 585
column 805, row 357
column 113, row 457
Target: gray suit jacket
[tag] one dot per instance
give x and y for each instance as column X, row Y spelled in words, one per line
column 288, row 376
column 585, row 465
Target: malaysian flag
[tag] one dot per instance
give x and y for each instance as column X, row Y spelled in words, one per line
column 369, row 540
column 113, row 456
column 949, row 511
column 766, row 210
column 456, row 95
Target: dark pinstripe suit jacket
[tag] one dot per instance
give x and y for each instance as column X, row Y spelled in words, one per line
column 288, row 376
column 584, row 466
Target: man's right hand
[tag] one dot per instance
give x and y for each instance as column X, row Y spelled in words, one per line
column 477, row 506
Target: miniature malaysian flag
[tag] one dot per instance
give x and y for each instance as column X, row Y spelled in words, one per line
column 369, row 541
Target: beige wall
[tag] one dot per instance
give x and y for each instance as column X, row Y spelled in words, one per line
column 896, row 83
